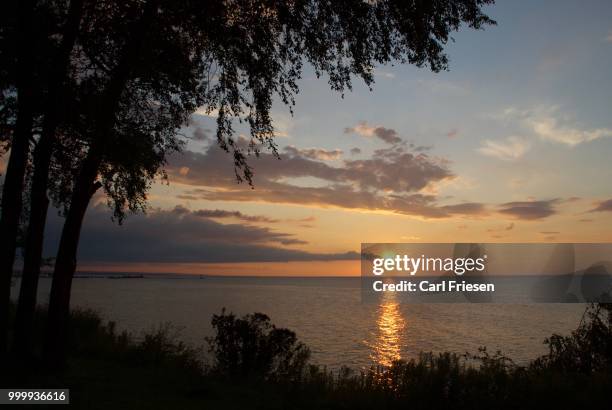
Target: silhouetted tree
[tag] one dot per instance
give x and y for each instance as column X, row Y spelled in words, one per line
column 227, row 56
column 133, row 106
column 23, row 41
column 57, row 102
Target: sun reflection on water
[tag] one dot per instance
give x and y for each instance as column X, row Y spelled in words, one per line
column 390, row 324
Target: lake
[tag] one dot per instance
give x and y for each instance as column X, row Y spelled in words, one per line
column 326, row 313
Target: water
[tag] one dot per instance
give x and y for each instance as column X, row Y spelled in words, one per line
column 327, row 314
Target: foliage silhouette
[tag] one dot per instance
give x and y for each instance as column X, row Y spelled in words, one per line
column 251, row 347
column 587, row 350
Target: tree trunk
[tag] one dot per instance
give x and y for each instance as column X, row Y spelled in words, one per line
column 11, row 211
column 65, row 264
column 15, row 172
column 84, row 187
column 39, row 203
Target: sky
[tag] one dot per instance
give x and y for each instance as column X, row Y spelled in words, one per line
column 511, row 144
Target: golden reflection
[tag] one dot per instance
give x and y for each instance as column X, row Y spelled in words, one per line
column 387, row 346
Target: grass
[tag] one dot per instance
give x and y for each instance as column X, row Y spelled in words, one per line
column 259, row 366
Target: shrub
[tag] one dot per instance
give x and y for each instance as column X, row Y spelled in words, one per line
column 162, row 346
column 587, row 350
column 251, row 347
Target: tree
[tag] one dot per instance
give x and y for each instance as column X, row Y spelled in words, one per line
column 255, row 51
column 20, row 55
column 57, row 101
column 130, row 118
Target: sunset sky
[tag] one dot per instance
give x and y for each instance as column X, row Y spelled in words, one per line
column 513, row 144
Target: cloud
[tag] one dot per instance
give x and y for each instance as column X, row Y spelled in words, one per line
column 388, row 135
column 180, row 236
column 315, row 153
column 393, row 179
column 391, row 170
column 466, row 208
column 226, row 214
column 511, row 148
column 415, row 205
column 529, row 210
column 547, row 123
column 390, row 180
column 355, row 151
column 603, row 206
column 420, row 148
column 548, row 128
column 222, row 213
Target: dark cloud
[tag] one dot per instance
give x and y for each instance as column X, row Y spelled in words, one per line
column 389, row 180
column 414, row 204
column 388, row 135
column 466, row 208
column 529, row 210
column 603, row 206
column 420, row 148
column 222, row 213
column 179, row 235
column 355, row 151
column 315, row 153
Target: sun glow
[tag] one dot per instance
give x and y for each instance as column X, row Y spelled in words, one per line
column 390, row 326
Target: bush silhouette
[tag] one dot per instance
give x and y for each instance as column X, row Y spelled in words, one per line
column 251, row 347
column 587, row 350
